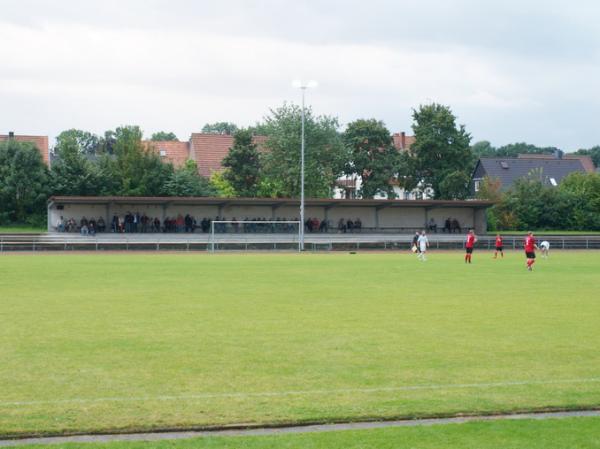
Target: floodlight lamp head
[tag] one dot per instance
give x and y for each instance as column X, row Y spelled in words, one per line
column 299, row 84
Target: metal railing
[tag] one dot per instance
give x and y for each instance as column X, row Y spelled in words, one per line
column 257, row 242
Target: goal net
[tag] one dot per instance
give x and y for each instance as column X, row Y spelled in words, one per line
column 254, row 234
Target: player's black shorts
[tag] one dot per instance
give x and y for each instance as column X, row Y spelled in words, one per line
column 499, row 248
column 530, row 254
column 469, row 250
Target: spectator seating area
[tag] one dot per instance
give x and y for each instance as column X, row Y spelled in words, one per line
column 132, row 223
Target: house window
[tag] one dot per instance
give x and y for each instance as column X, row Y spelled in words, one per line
column 553, row 182
column 163, row 153
column 504, row 165
column 477, row 185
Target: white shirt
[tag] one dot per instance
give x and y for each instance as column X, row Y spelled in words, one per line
column 545, row 245
column 423, row 242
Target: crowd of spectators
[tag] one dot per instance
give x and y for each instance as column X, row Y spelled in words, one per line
column 131, row 223
column 451, row 225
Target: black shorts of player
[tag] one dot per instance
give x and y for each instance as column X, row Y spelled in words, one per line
column 499, row 248
column 469, row 250
column 530, row 255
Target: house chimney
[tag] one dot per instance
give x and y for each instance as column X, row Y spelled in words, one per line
column 403, row 139
column 11, row 135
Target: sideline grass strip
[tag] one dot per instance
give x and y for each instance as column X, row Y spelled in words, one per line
column 572, row 433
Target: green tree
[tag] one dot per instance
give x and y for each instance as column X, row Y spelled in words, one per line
column 23, row 183
column 514, row 149
column 325, row 153
column 138, row 169
column 373, row 157
column 163, row 136
column 85, row 142
column 443, row 157
column 227, row 128
column 594, row 152
column 243, row 164
column 584, row 189
column 221, row 185
column 185, row 181
column 483, row 148
column 72, row 172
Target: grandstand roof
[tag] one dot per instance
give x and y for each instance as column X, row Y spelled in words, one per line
column 211, row 201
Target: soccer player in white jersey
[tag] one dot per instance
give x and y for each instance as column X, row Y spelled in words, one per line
column 545, row 248
column 423, row 244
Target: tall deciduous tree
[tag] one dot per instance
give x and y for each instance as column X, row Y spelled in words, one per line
column 243, row 164
column 163, row 136
column 72, row 172
column 85, row 142
column 227, row 128
column 442, row 152
column 373, row 157
column 23, row 183
column 221, row 185
column 594, row 152
column 325, row 153
column 139, row 171
column 185, row 181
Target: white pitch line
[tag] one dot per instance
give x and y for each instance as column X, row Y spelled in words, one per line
column 300, row 392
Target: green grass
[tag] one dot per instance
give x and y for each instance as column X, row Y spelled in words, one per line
column 21, row 229
column 577, row 433
column 100, row 342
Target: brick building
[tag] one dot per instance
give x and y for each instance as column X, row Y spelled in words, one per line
column 41, row 142
column 208, row 150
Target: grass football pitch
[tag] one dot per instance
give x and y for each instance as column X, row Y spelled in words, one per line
column 92, row 342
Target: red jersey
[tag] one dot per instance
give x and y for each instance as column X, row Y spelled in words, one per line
column 498, row 242
column 470, row 241
column 529, row 244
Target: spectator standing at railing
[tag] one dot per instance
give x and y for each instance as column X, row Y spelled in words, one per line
column 101, row 225
column 350, row 225
column 136, row 221
column 60, row 224
column 358, row 224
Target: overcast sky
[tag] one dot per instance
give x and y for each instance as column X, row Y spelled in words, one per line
column 510, row 70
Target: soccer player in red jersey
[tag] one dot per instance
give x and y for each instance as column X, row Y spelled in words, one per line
column 530, row 247
column 499, row 247
column 471, row 239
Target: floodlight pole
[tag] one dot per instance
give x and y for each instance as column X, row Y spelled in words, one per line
column 303, row 87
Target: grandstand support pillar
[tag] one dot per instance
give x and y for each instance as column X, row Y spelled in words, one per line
column 376, row 218
column 107, row 219
column 164, row 213
column 479, row 221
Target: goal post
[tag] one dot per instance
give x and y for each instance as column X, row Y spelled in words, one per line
column 254, row 232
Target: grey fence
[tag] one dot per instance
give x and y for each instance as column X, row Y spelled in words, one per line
column 266, row 242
